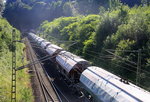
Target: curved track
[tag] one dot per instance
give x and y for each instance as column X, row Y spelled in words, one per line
column 62, row 89
column 45, row 87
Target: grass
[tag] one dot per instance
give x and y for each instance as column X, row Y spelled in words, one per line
column 24, row 90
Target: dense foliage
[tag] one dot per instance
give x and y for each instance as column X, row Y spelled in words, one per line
column 28, row 14
column 23, row 86
column 123, row 29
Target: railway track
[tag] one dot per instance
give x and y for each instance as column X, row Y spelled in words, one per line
column 46, row 89
column 60, row 88
column 62, row 97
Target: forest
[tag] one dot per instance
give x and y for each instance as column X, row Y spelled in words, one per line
column 23, row 81
column 27, row 14
column 112, row 34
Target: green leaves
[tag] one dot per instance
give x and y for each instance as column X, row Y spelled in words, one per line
column 23, row 81
column 125, row 45
column 6, row 35
column 80, row 29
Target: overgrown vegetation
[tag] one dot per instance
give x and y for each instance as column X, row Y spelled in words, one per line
column 24, row 91
column 29, row 14
column 110, row 40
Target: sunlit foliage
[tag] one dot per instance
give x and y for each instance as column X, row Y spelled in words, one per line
column 29, row 14
column 23, row 86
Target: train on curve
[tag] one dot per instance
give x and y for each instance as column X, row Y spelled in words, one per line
column 97, row 84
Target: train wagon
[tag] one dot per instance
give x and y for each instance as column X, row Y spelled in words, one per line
column 71, row 66
column 106, row 87
column 53, row 50
column 45, row 44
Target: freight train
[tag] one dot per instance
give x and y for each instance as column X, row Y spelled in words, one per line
column 97, row 84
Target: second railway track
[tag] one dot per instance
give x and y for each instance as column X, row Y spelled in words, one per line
column 47, row 90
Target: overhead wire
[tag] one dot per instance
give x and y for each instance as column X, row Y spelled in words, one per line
column 104, row 56
column 99, row 57
column 121, row 57
column 133, row 63
column 60, row 41
column 105, row 60
column 123, row 50
column 123, row 62
column 127, row 50
column 118, row 65
column 112, row 63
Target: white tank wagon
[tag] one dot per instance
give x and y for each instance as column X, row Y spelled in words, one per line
column 32, row 36
column 71, row 66
column 53, row 50
column 36, row 39
column 45, row 44
column 106, row 87
column 39, row 41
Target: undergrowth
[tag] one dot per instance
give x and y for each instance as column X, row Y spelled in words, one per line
column 24, row 90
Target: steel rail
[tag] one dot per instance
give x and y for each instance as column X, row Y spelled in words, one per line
column 54, row 86
column 40, row 80
column 46, row 93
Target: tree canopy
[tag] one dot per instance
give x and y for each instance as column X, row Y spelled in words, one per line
column 29, row 14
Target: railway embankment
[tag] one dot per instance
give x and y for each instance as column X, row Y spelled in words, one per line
column 24, row 92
